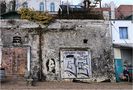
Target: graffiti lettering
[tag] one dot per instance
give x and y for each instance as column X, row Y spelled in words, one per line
column 76, row 64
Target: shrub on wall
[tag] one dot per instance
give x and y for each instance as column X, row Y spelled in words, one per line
column 30, row 14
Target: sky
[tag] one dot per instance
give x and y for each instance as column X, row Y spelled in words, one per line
column 117, row 2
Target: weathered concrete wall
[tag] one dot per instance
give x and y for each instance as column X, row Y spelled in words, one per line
column 71, row 34
column 91, row 35
column 27, row 31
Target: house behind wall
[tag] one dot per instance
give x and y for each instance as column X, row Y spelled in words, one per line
column 84, row 44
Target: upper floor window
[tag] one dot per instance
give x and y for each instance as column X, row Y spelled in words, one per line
column 41, row 6
column 52, row 7
column 25, row 5
column 123, row 32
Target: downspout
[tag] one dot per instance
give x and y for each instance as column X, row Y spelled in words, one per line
column 40, row 52
column 29, row 59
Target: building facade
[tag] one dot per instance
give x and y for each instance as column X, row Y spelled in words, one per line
column 124, row 11
column 41, row 5
column 122, row 32
column 51, row 6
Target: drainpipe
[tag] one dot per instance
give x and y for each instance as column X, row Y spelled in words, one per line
column 29, row 58
column 40, row 52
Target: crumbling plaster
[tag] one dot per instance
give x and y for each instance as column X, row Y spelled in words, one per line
column 66, row 34
column 70, row 34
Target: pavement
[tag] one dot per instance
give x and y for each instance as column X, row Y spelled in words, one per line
column 65, row 85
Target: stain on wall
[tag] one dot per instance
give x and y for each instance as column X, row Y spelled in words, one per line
column 67, row 34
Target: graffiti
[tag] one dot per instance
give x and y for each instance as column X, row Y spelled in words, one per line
column 70, row 68
column 76, row 64
column 83, row 67
column 50, row 65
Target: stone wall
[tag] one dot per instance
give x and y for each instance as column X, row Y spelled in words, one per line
column 89, row 35
column 29, row 39
column 69, row 34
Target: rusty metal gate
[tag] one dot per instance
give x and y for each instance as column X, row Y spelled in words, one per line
column 14, row 60
column 75, row 64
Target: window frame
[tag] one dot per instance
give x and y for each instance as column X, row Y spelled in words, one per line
column 123, row 33
column 25, row 4
column 52, row 7
column 41, row 6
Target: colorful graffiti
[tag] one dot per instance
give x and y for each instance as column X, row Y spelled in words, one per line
column 76, row 64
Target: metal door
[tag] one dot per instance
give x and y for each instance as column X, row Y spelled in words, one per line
column 14, row 60
column 118, row 68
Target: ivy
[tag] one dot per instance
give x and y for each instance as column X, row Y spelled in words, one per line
column 30, row 14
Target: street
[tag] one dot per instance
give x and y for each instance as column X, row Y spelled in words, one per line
column 63, row 85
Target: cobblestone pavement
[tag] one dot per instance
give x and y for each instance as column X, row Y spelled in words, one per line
column 59, row 85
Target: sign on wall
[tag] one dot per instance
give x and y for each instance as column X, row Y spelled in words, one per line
column 75, row 64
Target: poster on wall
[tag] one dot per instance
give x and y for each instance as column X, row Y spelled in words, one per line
column 75, row 64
